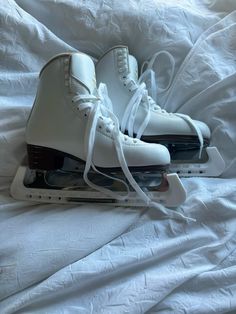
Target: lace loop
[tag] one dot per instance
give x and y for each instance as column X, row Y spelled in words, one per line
column 131, row 111
column 154, row 89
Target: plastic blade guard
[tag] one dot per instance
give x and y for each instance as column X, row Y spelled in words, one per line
column 212, row 166
column 170, row 192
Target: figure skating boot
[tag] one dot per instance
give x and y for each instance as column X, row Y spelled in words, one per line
column 76, row 152
column 140, row 117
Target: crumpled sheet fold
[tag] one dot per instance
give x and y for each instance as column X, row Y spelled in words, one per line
column 105, row 259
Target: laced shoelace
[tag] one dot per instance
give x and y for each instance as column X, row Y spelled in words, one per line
column 140, row 95
column 103, row 94
column 154, row 89
column 94, row 110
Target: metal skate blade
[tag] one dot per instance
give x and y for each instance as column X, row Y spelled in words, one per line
column 210, row 165
column 170, row 192
column 182, row 157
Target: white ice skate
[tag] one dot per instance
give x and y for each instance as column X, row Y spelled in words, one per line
column 76, row 152
column 140, row 117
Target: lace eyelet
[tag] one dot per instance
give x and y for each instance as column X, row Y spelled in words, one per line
column 99, row 127
column 85, row 115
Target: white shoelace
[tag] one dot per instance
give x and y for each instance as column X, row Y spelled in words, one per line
column 154, row 89
column 141, row 95
column 95, row 110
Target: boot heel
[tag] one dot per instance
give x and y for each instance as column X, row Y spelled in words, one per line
column 43, row 158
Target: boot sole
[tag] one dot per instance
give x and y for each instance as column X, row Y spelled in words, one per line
column 44, row 158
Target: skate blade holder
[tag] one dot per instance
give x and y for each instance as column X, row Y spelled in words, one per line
column 213, row 167
column 170, row 193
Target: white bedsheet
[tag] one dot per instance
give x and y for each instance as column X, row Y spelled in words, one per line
column 95, row 259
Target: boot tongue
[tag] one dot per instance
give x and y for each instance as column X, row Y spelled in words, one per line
column 128, row 63
column 133, row 68
column 82, row 73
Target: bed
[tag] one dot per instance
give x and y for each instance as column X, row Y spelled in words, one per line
column 106, row 259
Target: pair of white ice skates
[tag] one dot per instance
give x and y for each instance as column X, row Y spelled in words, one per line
column 84, row 146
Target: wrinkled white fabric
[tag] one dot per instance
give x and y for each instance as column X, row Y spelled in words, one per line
column 204, row 86
column 103, row 259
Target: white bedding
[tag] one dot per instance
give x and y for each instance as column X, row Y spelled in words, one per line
column 95, row 259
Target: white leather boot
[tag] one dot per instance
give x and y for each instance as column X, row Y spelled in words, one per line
column 67, row 110
column 141, row 117
column 68, row 120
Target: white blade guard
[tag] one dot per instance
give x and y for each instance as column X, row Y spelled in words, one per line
column 213, row 167
column 172, row 195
